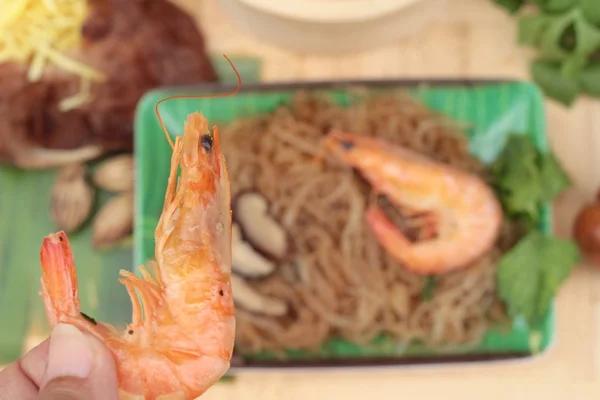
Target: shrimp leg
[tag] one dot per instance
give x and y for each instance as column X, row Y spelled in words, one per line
column 150, row 300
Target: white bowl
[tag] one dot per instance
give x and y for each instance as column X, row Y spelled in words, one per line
column 332, row 26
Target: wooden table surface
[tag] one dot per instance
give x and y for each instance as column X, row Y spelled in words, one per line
column 474, row 39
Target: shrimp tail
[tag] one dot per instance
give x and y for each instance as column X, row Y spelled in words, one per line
column 59, row 279
column 60, row 288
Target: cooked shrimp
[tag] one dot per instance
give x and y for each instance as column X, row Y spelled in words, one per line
column 184, row 342
column 465, row 210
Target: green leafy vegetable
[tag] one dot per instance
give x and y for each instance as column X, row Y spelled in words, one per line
column 525, row 178
column 556, row 5
column 511, row 5
column 591, row 11
column 566, row 33
column 590, row 80
column 572, row 69
column 530, row 274
column 531, row 28
column 587, row 35
column 554, row 180
column 553, row 83
column 556, row 41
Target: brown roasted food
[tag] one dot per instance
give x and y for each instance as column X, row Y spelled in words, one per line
column 138, row 45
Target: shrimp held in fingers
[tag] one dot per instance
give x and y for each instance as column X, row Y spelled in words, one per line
column 180, row 341
column 466, row 212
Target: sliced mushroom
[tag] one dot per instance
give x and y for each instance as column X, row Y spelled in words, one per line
column 42, row 158
column 267, row 236
column 245, row 260
column 252, row 300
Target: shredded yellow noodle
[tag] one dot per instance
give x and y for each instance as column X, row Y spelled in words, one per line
column 44, row 32
column 342, row 283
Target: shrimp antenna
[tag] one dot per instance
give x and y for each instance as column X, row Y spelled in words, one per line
column 202, row 96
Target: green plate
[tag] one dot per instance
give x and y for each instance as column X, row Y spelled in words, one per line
column 25, row 220
column 492, row 109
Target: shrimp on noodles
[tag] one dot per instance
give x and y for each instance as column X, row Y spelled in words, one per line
column 464, row 211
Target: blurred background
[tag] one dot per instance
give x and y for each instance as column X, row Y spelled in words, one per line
column 505, row 89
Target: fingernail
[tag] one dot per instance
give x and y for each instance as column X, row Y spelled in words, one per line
column 70, row 353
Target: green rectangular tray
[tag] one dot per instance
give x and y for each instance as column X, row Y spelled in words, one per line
column 492, row 110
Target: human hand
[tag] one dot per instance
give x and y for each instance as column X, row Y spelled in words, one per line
column 69, row 365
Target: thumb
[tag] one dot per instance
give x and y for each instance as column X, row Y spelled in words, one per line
column 79, row 367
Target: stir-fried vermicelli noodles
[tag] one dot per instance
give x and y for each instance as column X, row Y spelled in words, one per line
column 342, row 283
